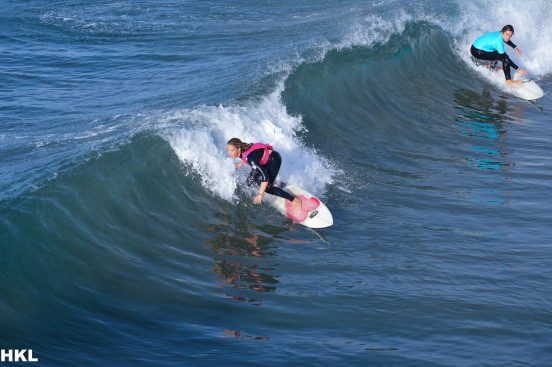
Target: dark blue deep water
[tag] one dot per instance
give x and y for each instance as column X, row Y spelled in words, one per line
column 127, row 239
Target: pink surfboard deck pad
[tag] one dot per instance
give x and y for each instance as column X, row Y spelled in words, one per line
column 308, row 205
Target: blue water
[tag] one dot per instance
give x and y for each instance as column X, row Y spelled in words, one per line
column 127, row 238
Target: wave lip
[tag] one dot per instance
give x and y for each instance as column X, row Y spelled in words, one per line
column 198, row 137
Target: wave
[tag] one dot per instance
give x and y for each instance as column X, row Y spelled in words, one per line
column 377, row 23
column 198, row 137
column 388, row 102
column 375, row 41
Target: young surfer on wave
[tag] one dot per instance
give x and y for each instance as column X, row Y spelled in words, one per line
column 265, row 163
column 490, row 47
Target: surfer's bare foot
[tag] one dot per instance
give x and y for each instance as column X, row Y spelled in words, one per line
column 297, row 205
column 514, row 83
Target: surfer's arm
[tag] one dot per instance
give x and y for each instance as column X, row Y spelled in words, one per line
column 263, row 177
column 517, row 49
column 239, row 165
column 514, row 65
column 520, row 70
column 260, row 194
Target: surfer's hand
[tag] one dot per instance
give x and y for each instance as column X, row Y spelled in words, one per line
column 258, row 198
column 522, row 72
column 239, row 165
column 518, row 51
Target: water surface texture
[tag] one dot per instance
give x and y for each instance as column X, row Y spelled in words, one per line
column 128, row 239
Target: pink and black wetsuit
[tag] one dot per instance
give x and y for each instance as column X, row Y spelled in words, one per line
column 265, row 164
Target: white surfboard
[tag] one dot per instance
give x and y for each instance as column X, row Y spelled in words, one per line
column 529, row 90
column 318, row 217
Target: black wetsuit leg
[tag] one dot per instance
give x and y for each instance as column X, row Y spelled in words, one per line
column 275, row 190
column 272, row 167
column 495, row 56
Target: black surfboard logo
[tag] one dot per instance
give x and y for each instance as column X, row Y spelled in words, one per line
column 313, row 214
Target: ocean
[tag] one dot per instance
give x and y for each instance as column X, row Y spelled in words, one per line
column 128, row 239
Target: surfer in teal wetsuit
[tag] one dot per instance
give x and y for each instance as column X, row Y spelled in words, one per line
column 490, row 47
column 265, row 163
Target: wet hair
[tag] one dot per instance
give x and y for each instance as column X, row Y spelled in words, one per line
column 507, row 27
column 239, row 144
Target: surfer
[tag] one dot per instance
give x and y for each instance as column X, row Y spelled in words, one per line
column 265, row 163
column 490, row 47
